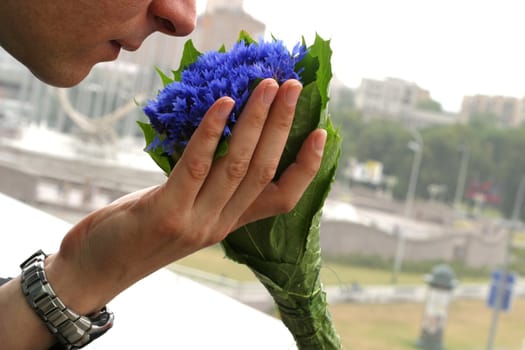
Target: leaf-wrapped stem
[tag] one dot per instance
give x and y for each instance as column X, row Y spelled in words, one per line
column 310, row 319
column 284, row 253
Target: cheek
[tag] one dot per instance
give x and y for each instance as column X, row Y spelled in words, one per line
column 106, row 20
column 123, row 11
column 74, row 44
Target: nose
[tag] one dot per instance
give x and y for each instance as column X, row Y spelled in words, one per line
column 174, row 17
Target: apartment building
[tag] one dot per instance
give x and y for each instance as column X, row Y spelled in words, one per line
column 221, row 23
column 397, row 99
column 504, row 110
column 389, row 97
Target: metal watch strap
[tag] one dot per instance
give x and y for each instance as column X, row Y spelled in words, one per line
column 72, row 330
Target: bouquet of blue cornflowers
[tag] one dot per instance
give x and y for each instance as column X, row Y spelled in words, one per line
column 283, row 251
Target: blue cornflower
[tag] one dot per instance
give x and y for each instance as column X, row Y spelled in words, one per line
column 180, row 106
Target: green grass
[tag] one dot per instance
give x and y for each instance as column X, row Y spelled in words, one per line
column 519, row 238
column 397, row 326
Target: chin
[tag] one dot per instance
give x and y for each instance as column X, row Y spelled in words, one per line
column 62, row 77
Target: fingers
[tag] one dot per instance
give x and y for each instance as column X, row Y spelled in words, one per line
column 281, row 197
column 269, row 150
column 190, row 172
column 237, row 188
column 229, row 171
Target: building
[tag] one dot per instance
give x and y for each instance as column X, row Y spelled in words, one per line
column 341, row 95
column 221, row 24
column 505, row 111
column 398, row 100
column 390, row 96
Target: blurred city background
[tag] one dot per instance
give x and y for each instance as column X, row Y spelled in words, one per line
column 422, row 235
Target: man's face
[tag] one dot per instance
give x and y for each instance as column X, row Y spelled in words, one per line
column 60, row 41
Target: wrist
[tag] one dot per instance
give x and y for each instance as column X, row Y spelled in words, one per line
column 20, row 327
column 78, row 292
column 72, row 330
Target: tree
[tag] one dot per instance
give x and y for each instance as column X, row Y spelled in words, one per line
column 429, row 105
column 495, row 154
column 350, row 123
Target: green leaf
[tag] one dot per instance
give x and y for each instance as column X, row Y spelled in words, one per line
column 165, row 79
column 161, row 159
column 309, row 64
column 243, row 35
column 321, row 49
column 222, row 149
column 189, row 56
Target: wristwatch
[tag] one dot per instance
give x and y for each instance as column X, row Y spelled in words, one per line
column 71, row 330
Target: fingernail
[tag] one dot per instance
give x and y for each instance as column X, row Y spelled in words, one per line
column 293, row 94
column 269, row 93
column 226, row 107
column 320, row 142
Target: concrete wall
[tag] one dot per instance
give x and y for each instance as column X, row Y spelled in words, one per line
column 486, row 250
column 340, row 238
column 17, row 184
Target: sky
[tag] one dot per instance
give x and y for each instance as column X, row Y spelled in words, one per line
column 452, row 48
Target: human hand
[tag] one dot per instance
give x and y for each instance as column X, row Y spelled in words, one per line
column 200, row 203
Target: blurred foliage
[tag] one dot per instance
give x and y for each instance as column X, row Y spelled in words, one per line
column 429, row 105
column 518, row 260
column 495, row 154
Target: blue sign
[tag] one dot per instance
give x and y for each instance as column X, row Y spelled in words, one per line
column 500, row 290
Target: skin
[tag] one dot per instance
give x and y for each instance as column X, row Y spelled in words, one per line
column 202, row 200
column 59, row 41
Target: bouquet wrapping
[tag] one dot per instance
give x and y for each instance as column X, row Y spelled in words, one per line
column 283, row 251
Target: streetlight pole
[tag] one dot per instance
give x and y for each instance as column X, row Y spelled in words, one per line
column 462, row 176
column 516, row 213
column 417, row 147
